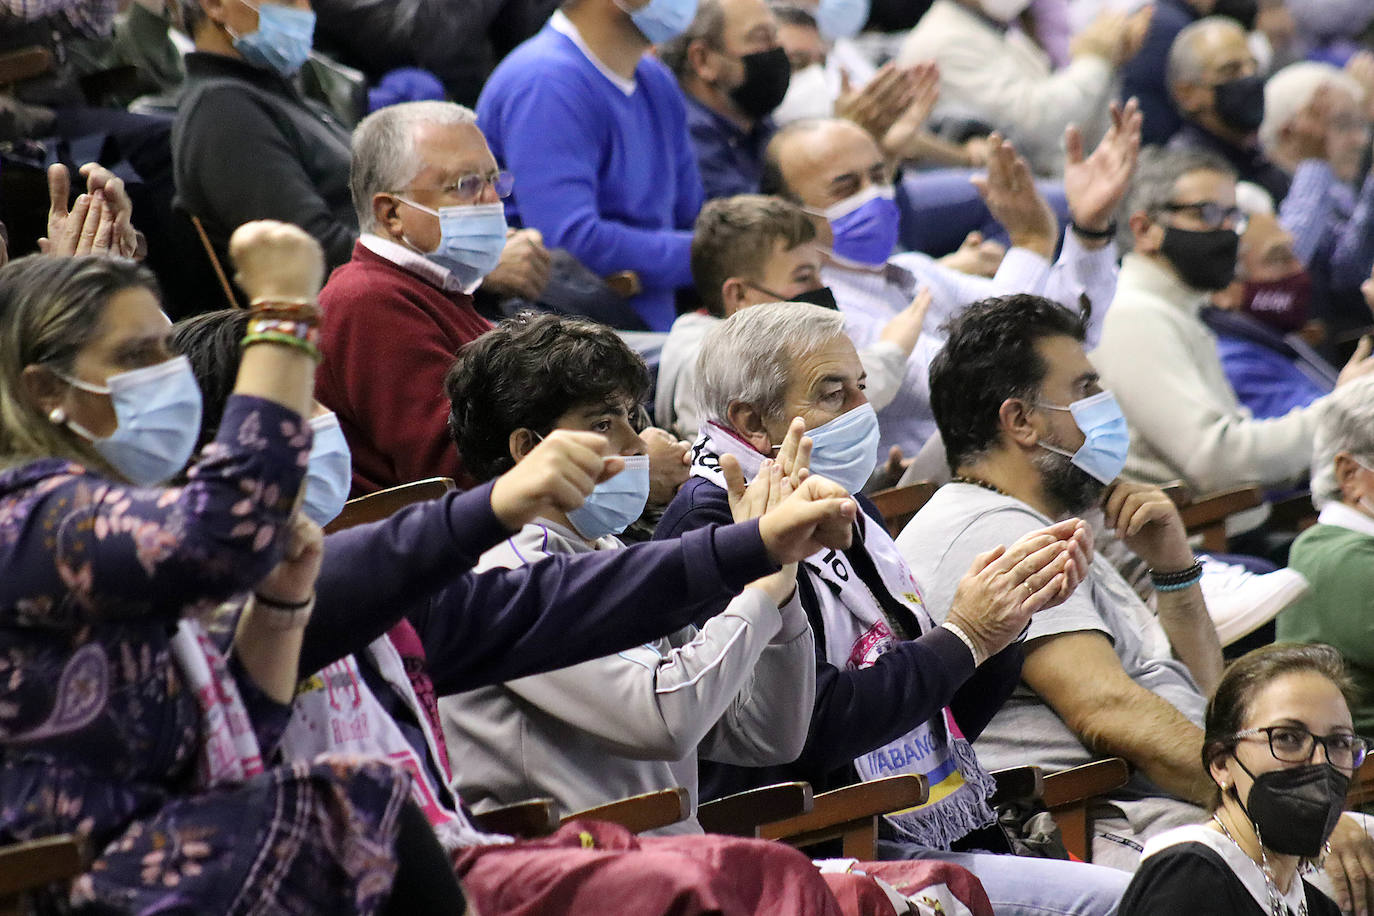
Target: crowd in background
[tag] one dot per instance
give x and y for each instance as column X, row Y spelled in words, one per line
column 676, row 294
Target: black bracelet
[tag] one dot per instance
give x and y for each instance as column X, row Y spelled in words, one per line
column 1174, row 579
column 283, row 605
column 1094, row 234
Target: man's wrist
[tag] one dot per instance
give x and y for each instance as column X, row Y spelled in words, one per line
column 979, row 656
column 1038, row 242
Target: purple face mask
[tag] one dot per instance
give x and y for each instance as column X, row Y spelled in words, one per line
column 865, row 225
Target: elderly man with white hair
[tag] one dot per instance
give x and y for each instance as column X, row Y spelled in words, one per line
column 895, row 693
column 428, row 199
column 1316, row 129
column 1337, row 554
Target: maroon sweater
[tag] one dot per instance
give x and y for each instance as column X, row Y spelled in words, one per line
column 388, row 337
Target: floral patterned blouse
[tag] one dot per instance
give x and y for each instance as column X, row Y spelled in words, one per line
column 98, row 734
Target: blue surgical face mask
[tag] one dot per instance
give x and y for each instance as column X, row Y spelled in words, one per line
column 1106, row 439
column 471, row 239
column 613, row 505
column 662, row 20
column 865, row 225
column 158, row 410
column 838, row 19
column 330, row 474
column 845, row 450
column 282, row 40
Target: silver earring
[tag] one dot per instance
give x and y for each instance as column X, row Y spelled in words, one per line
column 57, row 416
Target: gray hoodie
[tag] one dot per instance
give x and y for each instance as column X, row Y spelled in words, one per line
column 738, row 690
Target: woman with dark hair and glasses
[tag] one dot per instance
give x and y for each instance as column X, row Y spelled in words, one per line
column 1280, row 746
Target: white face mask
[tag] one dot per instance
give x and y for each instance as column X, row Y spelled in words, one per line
column 1004, row 10
column 808, row 96
column 1365, row 502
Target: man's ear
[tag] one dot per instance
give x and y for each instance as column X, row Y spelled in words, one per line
column 1013, row 420
column 214, row 10
column 702, row 62
column 42, row 388
column 1346, row 469
column 521, row 442
column 1146, row 234
column 748, row 424
column 386, row 210
column 1191, row 98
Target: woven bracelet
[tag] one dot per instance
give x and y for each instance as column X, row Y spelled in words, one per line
column 305, row 346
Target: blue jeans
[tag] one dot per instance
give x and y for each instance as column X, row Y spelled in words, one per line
column 1025, row 886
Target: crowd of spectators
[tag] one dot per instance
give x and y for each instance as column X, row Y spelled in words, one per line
column 673, row 295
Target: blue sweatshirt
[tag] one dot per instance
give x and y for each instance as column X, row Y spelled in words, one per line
column 610, row 177
column 857, row 710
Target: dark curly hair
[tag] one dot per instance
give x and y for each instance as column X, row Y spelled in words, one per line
column 527, row 372
column 988, row 357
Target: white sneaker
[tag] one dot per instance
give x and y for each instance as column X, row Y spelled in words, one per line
column 1240, row 602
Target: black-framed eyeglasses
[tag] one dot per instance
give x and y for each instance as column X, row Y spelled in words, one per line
column 470, row 187
column 1295, row 744
column 1213, row 214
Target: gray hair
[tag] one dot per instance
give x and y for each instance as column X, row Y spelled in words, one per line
column 1155, row 176
column 748, row 356
column 1290, row 90
column 1186, row 64
column 384, row 157
column 1345, row 425
column 708, row 27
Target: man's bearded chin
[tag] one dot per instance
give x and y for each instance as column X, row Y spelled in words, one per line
column 1069, row 489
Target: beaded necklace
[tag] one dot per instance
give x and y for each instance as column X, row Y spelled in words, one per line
column 974, row 481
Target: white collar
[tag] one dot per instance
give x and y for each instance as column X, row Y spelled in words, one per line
column 412, row 261
column 1246, row 870
column 1140, row 272
column 561, row 24
column 1342, row 516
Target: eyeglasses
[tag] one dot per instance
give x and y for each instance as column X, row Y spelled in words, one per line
column 1213, row 214
column 1295, row 744
column 470, row 187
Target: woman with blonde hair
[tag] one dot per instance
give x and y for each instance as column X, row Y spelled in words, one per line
column 126, row 716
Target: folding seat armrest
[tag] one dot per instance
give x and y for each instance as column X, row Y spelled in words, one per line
column 742, row 813
column 851, row 815
column 528, row 819
column 638, row 813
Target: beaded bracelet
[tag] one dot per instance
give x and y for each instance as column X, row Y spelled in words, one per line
column 308, row 313
column 1177, row 581
column 284, row 301
column 305, row 346
column 282, row 615
column 302, row 329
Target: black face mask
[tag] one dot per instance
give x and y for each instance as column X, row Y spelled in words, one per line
column 1240, row 103
column 1295, row 810
column 821, row 296
column 766, row 77
column 1243, row 11
column 1205, row 259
